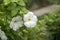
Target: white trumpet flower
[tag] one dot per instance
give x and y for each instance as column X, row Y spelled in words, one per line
column 16, row 23
column 30, row 20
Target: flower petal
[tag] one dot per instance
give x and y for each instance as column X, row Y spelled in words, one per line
column 30, row 24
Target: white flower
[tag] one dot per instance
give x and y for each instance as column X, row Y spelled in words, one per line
column 2, row 35
column 4, row 38
column 30, row 20
column 16, row 23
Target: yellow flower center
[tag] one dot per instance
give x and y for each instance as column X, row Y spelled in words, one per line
column 29, row 19
column 15, row 21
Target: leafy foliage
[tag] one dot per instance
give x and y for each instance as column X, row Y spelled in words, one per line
column 53, row 24
column 55, row 1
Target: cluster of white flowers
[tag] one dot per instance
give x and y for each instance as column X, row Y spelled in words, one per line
column 2, row 35
column 30, row 20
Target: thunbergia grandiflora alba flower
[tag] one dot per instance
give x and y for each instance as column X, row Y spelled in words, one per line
column 30, row 20
column 2, row 35
column 16, row 23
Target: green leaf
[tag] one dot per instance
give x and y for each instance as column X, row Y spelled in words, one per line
column 1, row 13
column 14, row 12
column 14, row 0
column 21, row 3
column 23, row 10
column 6, row 2
column 11, row 6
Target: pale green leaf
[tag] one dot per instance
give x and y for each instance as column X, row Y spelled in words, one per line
column 15, row 0
column 23, row 10
column 11, row 6
column 14, row 12
column 7, row 2
column 21, row 3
